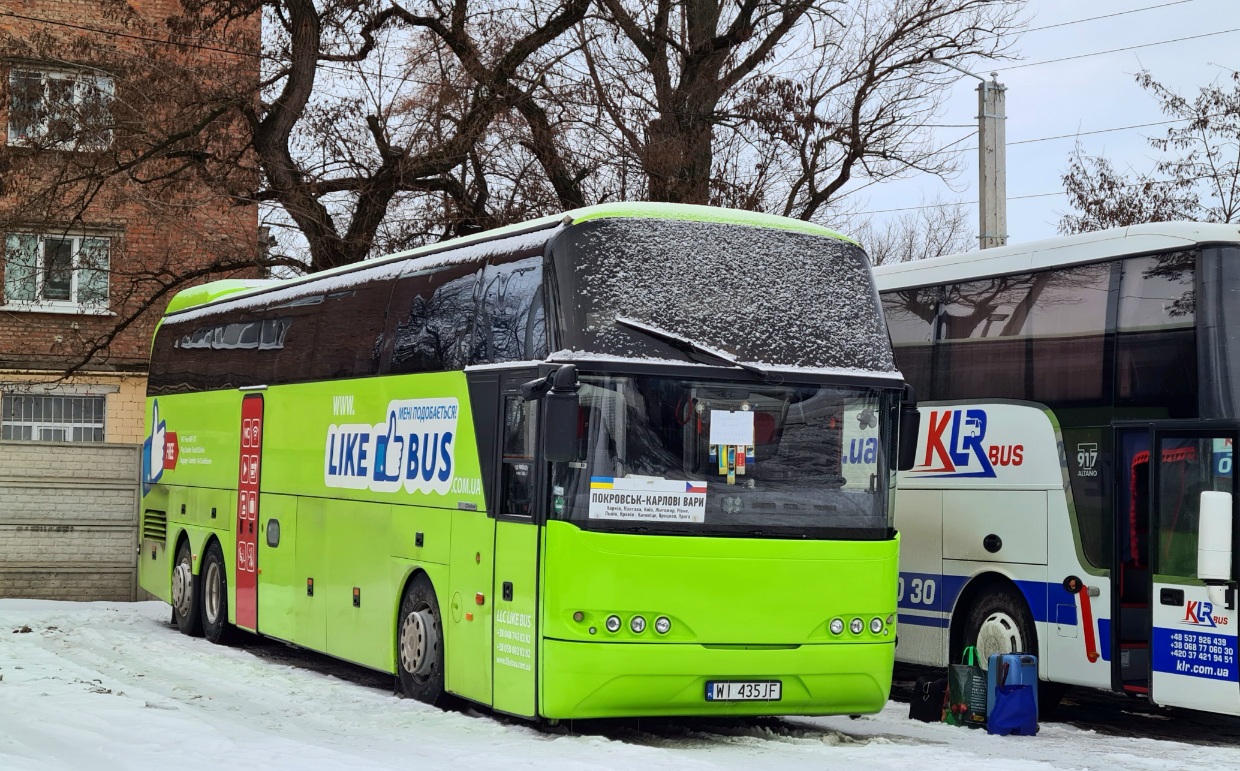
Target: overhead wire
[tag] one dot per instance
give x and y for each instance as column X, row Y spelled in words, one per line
column 1116, row 50
column 1028, row 196
column 1107, row 16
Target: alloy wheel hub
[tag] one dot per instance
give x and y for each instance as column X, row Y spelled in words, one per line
column 413, row 642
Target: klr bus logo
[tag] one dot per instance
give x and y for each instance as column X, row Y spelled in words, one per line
column 956, row 446
column 413, row 448
column 1199, row 613
column 159, row 451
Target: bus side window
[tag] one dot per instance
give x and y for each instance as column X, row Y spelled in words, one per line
column 511, row 322
column 1156, row 350
column 517, row 475
column 981, row 350
column 910, row 316
column 350, row 340
column 431, row 319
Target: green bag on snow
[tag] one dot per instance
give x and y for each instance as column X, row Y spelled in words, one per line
column 966, row 692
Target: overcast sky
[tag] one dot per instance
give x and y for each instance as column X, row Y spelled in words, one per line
column 1087, row 94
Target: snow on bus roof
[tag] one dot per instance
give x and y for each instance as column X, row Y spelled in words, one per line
column 380, row 270
column 464, row 249
column 1079, row 249
column 781, row 369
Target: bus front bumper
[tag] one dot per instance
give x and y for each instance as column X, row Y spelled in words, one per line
column 597, row 680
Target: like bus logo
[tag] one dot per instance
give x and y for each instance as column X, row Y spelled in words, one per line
column 160, row 451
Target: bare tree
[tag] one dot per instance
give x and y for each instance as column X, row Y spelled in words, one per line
column 362, row 126
column 201, row 120
column 339, row 199
column 932, row 230
column 775, row 105
column 1196, row 178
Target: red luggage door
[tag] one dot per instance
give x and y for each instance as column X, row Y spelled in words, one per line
column 246, row 580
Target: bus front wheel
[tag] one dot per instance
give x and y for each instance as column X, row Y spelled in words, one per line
column 215, row 626
column 419, row 643
column 999, row 622
column 186, row 609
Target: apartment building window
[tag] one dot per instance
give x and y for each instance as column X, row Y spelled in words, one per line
column 52, row 418
column 56, row 272
column 62, row 109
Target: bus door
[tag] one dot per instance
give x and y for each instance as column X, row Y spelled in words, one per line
column 518, row 518
column 1193, row 638
column 1126, row 642
column 248, row 478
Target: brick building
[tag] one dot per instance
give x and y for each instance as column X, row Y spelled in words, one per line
column 85, row 87
column 94, row 246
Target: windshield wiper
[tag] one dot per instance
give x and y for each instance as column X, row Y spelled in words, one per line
column 692, row 347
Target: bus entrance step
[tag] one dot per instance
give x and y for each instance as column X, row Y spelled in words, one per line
column 1134, row 663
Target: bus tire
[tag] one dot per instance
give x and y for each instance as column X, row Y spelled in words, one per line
column 1007, row 619
column 999, row 622
column 419, row 643
column 186, row 608
column 214, row 583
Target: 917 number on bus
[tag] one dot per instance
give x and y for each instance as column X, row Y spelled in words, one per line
column 921, row 591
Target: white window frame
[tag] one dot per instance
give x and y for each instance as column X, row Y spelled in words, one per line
column 44, row 425
column 84, row 83
column 39, row 303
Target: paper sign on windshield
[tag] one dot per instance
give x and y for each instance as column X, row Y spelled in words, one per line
column 731, row 427
column 647, row 499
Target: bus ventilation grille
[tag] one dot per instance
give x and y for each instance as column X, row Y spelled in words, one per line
column 155, row 525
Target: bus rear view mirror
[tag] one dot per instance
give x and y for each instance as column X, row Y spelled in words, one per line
column 1214, row 537
column 909, row 419
column 910, row 428
column 560, row 410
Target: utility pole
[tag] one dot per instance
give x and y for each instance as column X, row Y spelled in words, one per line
column 992, row 162
column 991, row 158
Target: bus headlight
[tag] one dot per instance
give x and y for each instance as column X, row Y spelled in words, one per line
column 613, row 623
column 837, row 626
column 856, row 626
column 876, row 625
column 637, row 624
column 662, row 625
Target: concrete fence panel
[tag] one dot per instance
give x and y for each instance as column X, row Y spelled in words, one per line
column 69, row 520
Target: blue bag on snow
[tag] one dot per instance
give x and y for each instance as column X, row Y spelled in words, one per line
column 1014, row 711
column 1011, row 669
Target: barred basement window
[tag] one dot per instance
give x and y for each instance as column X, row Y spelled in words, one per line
column 46, row 418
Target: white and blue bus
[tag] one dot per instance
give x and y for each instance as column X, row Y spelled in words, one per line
column 1073, row 490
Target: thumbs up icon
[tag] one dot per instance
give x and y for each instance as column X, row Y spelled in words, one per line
column 153, row 449
column 389, row 453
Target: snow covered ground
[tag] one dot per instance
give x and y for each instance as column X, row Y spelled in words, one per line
column 113, row 686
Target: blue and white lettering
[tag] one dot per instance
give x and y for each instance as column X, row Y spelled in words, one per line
column 411, row 449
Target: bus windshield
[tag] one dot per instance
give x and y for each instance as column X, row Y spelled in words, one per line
column 695, row 457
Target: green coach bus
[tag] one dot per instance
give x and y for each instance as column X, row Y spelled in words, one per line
column 633, row 460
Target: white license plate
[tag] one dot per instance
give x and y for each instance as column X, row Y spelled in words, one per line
column 746, row 690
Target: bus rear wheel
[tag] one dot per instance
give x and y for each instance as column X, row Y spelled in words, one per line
column 419, row 643
column 215, row 626
column 186, row 608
